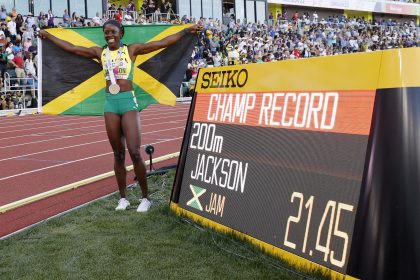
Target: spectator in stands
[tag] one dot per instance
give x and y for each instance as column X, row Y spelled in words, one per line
column 7, row 103
column 119, row 16
column 96, row 21
column 73, row 19
column 20, row 22
column 33, row 48
column 217, row 59
column 141, row 19
column 17, row 46
column 27, row 33
column 32, row 79
column 50, row 18
column 3, row 59
column 112, row 10
column 30, row 66
column 42, row 20
column 315, row 17
column 296, row 17
column 271, row 17
column 27, row 44
column 41, row 14
column 32, row 83
column 11, row 26
column 3, row 39
column 112, row 7
column 18, row 63
column 35, row 61
column 164, row 7
column 66, row 19
column 128, row 19
column 9, row 51
column 30, row 20
column 80, row 21
column 144, row 7
column 14, row 12
column 233, row 55
column 157, row 15
column 3, row 13
column 151, row 7
column 131, row 8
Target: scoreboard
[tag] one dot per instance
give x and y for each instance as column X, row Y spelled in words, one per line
column 279, row 153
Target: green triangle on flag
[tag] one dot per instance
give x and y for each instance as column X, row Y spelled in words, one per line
column 195, row 202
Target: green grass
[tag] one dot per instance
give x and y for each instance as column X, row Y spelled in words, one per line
column 96, row 242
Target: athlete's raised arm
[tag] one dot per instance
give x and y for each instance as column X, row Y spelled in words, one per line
column 137, row 49
column 93, row 52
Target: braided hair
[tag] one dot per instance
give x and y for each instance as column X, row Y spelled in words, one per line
column 115, row 23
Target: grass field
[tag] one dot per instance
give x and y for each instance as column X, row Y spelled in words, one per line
column 96, row 242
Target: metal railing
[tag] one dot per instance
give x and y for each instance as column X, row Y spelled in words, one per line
column 161, row 17
column 143, row 17
column 111, row 14
column 22, row 92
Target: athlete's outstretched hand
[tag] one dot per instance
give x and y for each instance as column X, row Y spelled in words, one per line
column 41, row 33
column 195, row 28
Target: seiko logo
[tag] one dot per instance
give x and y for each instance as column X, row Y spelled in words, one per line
column 225, row 79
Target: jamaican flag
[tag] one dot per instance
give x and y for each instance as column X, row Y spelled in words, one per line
column 73, row 85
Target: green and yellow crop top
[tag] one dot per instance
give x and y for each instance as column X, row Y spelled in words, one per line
column 124, row 71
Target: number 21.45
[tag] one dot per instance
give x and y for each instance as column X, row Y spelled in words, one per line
column 330, row 218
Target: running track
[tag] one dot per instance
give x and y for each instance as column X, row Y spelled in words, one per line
column 39, row 153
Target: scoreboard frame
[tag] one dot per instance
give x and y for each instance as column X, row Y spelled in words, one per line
column 389, row 90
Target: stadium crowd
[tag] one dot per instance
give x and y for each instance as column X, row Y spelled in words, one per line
column 299, row 37
column 18, row 59
column 281, row 37
column 294, row 38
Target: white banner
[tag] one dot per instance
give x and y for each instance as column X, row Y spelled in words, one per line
column 390, row 7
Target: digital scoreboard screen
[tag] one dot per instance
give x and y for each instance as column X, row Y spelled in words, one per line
column 281, row 158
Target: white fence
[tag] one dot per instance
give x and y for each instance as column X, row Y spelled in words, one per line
column 21, row 94
column 142, row 16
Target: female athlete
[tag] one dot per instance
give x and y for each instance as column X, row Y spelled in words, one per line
column 121, row 111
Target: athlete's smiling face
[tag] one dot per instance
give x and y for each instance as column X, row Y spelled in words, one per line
column 112, row 36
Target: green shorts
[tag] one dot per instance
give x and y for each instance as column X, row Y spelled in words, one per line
column 121, row 102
